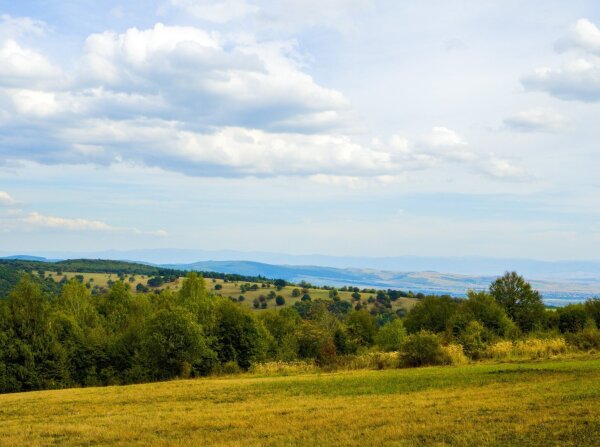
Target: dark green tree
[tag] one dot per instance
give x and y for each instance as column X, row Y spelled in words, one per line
column 520, row 301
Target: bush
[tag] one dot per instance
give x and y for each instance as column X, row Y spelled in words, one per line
column 230, row 367
column 586, row 340
column 279, row 300
column 422, row 348
column 528, row 348
column 454, row 354
column 391, row 336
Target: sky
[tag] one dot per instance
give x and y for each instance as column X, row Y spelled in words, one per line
column 340, row 127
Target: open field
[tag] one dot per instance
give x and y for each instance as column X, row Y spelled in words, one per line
column 537, row 403
column 227, row 289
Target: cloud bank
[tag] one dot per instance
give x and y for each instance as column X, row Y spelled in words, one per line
column 200, row 103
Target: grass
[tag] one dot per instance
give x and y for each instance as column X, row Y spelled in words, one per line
column 526, row 404
column 228, row 289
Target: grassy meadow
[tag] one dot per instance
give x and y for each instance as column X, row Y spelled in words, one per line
column 550, row 402
column 228, row 289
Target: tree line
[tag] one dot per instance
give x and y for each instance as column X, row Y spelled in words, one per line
column 69, row 337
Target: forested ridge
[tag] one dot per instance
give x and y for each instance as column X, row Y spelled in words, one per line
column 56, row 335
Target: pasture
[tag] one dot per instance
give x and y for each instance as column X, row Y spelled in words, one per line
column 551, row 402
column 228, row 289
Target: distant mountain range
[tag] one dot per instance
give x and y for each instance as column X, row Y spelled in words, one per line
column 480, row 266
column 555, row 292
column 559, row 281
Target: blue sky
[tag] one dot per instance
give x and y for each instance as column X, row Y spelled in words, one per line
column 343, row 127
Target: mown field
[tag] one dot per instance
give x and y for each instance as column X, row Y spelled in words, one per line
column 228, row 289
column 546, row 403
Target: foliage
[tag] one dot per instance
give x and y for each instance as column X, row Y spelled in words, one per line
column 430, row 314
column 422, row 348
column 520, row 301
column 391, row 336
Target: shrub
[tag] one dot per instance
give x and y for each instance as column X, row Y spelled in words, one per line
column 586, row 340
column 279, row 300
column 283, row 368
column 527, row 348
column 391, row 336
column 453, row 354
column 422, row 348
column 230, row 367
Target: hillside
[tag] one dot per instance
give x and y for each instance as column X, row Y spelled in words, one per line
column 547, row 403
column 557, row 291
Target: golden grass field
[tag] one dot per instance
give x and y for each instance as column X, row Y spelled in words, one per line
column 228, row 289
column 546, row 403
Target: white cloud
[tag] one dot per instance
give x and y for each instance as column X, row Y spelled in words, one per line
column 6, row 199
column 537, row 119
column 578, row 78
column 444, row 143
column 22, row 66
column 200, row 103
column 42, row 221
column 584, row 35
column 15, row 27
column 36, row 103
column 501, row 169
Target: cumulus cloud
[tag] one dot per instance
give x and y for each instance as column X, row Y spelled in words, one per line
column 42, row 221
column 23, row 66
column 6, row 199
column 584, row 35
column 537, row 119
column 199, row 103
column 578, row 78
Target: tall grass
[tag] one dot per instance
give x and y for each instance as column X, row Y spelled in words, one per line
column 529, row 348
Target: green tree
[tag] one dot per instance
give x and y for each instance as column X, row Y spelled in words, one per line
column 194, row 297
column 481, row 307
column 174, row 345
column 572, row 318
column 238, row 335
column 361, row 327
column 520, row 301
column 422, row 348
column 391, row 336
column 432, row 313
column 592, row 307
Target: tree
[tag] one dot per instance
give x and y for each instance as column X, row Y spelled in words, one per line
column 432, row 314
column 174, row 345
column 483, row 308
column 194, row 297
column 572, row 318
column 361, row 327
column 280, row 283
column 520, row 301
column 30, row 354
column 592, row 307
column 280, row 300
column 296, row 293
column 391, row 336
column 238, row 335
column 422, row 348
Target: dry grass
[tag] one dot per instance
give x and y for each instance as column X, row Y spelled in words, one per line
column 543, row 403
column 529, row 348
